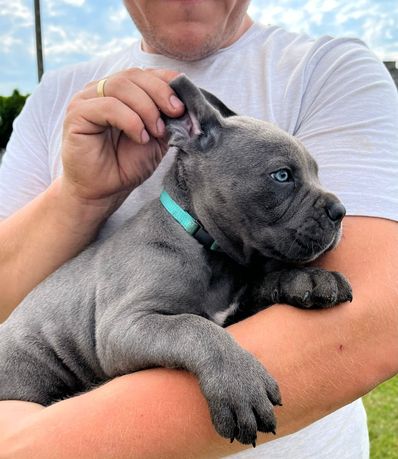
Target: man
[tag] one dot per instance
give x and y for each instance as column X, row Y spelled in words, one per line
column 336, row 98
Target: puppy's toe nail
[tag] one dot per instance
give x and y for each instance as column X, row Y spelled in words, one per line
column 254, row 444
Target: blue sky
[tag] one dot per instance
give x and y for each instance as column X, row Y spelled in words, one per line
column 77, row 30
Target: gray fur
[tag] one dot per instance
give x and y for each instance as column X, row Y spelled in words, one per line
column 143, row 297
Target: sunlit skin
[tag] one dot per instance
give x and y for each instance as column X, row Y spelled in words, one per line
column 188, row 30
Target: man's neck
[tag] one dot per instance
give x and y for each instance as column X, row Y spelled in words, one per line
column 243, row 28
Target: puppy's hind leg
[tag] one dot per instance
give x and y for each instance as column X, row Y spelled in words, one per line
column 33, row 374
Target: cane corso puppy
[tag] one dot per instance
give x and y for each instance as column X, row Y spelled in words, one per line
column 241, row 215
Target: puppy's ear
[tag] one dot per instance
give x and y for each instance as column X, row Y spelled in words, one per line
column 199, row 127
column 216, row 102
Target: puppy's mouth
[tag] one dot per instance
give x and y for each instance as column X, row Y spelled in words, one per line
column 336, row 239
column 310, row 251
column 301, row 249
column 333, row 243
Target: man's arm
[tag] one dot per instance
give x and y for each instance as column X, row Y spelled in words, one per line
column 322, row 360
column 105, row 157
column 39, row 238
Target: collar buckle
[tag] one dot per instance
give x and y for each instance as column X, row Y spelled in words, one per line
column 204, row 238
column 191, row 226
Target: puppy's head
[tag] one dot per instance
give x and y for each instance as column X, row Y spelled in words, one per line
column 254, row 187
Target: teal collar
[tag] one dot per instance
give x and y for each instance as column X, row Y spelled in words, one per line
column 191, row 226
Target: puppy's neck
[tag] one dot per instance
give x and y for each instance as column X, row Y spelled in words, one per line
column 175, row 184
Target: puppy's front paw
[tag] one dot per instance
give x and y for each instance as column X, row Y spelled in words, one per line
column 312, row 288
column 241, row 396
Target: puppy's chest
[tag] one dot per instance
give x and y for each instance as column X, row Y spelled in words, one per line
column 224, row 290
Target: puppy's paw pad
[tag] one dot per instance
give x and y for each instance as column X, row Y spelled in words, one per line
column 314, row 288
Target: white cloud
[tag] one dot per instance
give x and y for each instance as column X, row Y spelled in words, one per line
column 74, row 2
column 374, row 22
column 55, row 8
column 61, row 44
column 119, row 15
column 18, row 10
column 55, row 33
column 279, row 13
column 9, row 43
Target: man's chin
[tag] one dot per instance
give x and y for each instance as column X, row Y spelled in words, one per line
column 192, row 48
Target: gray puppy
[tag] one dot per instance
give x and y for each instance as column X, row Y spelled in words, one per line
column 158, row 291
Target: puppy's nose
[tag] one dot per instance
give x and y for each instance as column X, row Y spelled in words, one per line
column 335, row 211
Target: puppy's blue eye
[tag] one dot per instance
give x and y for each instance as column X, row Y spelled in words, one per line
column 282, row 175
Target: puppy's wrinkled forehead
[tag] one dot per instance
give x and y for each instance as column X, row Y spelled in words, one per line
column 266, row 139
column 209, row 125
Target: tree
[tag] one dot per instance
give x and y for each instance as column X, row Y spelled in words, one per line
column 9, row 110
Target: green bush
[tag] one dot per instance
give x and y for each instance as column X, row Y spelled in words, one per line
column 9, row 110
column 382, row 408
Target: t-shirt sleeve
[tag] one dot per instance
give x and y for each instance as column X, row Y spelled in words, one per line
column 24, row 170
column 349, row 122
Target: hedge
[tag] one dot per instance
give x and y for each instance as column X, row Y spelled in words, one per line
column 9, row 109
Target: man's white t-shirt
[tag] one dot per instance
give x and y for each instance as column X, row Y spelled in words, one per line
column 332, row 94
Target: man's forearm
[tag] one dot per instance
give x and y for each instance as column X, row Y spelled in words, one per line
column 39, row 238
column 161, row 413
column 321, row 359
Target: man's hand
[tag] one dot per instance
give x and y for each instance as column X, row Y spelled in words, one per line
column 112, row 144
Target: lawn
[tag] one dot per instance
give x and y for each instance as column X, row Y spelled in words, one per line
column 382, row 408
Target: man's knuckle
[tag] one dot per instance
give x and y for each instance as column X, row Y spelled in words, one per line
column 165, row 74
column 89, row 85
column 72, row 107
column 132, row 73
column 123, row 80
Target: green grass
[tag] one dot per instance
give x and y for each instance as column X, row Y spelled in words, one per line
column 382, row 408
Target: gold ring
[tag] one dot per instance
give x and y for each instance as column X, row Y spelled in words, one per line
column 100, row 88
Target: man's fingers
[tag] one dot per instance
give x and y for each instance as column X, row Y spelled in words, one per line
column 145, row 92
column 139, row 101
column 93, row 116
column 164, row 74
column 159, row 90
